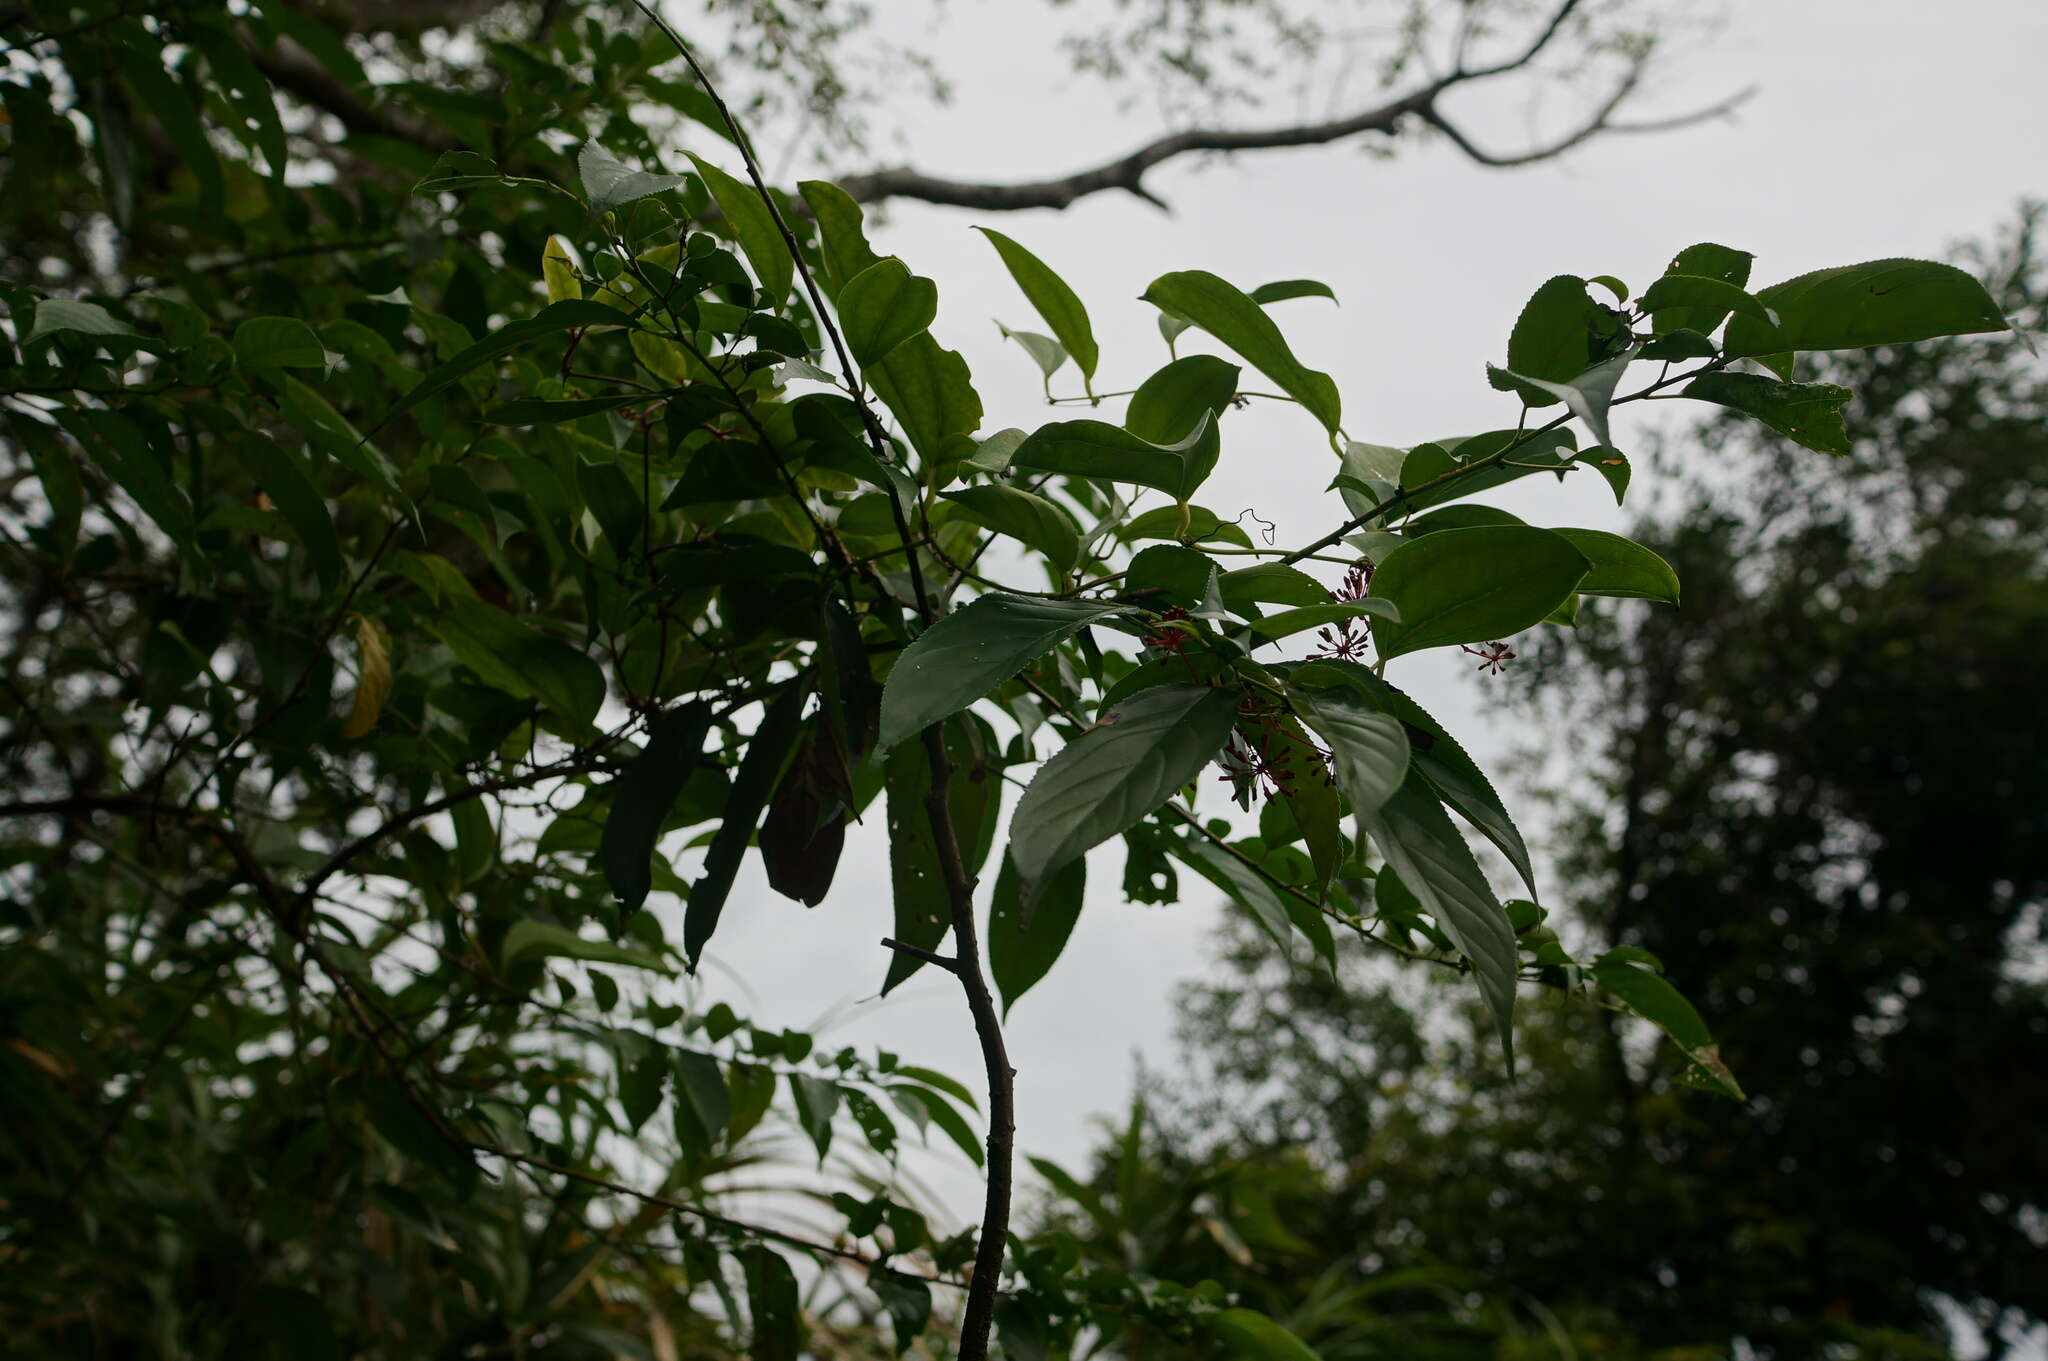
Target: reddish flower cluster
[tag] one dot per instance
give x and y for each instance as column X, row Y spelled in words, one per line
column 1492, row 657
column 1258, row 760
column 1347, row 641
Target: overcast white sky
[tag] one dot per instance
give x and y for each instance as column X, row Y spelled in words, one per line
column 1881, row 127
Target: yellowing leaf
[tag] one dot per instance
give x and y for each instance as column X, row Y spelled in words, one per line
column 559, row 270
column 373, row 678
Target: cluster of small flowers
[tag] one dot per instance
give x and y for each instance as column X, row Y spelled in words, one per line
column 1258, row 760
column 1348, row 640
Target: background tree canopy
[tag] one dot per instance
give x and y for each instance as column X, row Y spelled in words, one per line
column 458, row 513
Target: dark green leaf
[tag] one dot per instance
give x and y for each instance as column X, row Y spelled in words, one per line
column 642, row 796
column 1250, row 1334
column 1809, row 413
column 905, row 1299
column 1473, row 585
column 278, row 343
column 929, row 389
column 1883, row 302
column 1049, row 294
column 754, row 224
column 1553, row 336
column 970, row 652
column 1621, row 567
column 1025, row 516
column 553, row 319
column 278, row 473
column 1096, row 449
column 1649, row 995
column 767, row 750
column 1023, row 945
column 1240, row 323
column 55, row 316
column 1694, row 296
column 842, row 243
column 883, row 306
column 1112, row 776
column 1418, row 839
column 1280, row 290
column 772, row 1301
column 545, row 940
column 1370, row 749
column 507, row 655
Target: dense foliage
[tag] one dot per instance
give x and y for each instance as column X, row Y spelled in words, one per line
column 1851, row 891
column 430, row 576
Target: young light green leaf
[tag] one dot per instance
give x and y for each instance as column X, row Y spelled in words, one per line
column 883, row 306
column 1049, row 294
column 1023, row 946
column 1882, row 302
column 752, row 222
column 1473, row 585
column 1112, row 776
column 1024, row 516
column 1418, row 839
column 1621, row 567
column 608, row 182
column 641, row 797
column 973, row 650
column 1808, row 413
column 1240, row 323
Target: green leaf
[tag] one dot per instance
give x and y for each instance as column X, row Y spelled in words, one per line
column 923, row 906
column 1097, row 449
column 1022, row 946
column 1170, row 405
column 1111, row 777
column 754, row 224
column 1243, row 325
column 970, row 652
column 457, row 170
column 1883, row 302
column 553, row 411
column 1164, row 522
column 1277, row 912
column 1611, row 464
column 1370, row 749
column 1049, row 294
column 509, row 656
column 56, row 316
column 1693, row 296
column 1553, row 336
column 1621, row 567
column 931, row 392
column 883, row 306
column 1270, row 583
column 1587, row 396
column 948, row 1119
column 1280, row 290
column 907, row 1301
column 1707, row 261
column 278, row 343
column 773, row 1304
column 702, row 1095
column 760, row 769
column 548, row 941
column 1022, row 515
column 608, row 182
column 1046, row 352
column 1807, row 413
column 553, row 319
column 278, row 473
column 1250, row 1334
column 1649, row 995
column 842, row 243
column 307, row 412
column 1473, row 585
column 1287, row 623
column 138, row 466
column 1435, row 756
column 642, row 796
column 1418, row 839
